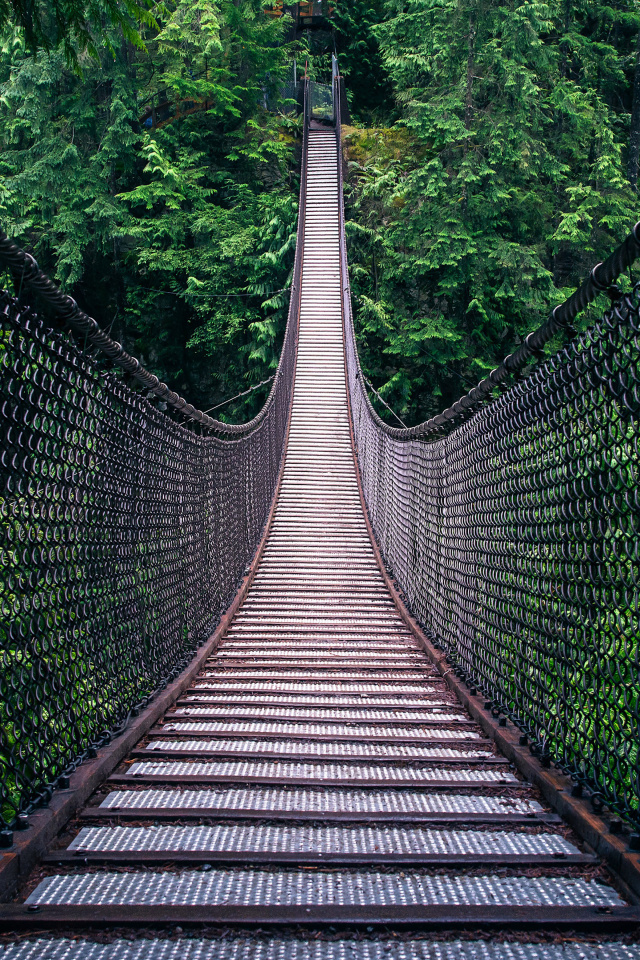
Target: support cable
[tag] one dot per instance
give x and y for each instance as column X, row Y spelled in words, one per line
column 383, row 401
column 244, row 393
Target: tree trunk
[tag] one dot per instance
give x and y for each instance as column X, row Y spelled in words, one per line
column 468, row 99
column 564, row 46
column 634, row 136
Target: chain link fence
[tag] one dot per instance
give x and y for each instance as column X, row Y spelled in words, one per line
column 125, row 536
column 515, row 540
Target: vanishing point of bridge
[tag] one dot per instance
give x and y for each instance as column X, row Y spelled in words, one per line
column 324, row 784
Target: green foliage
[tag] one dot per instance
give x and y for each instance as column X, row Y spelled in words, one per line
column 508, row 183
column 367, row 80
column 180, row 240
column 75, row 25
column 492, row 179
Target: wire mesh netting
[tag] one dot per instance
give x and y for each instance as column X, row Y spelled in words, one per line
column 321, row 101
column 125, row 534
column 512, row 529
column 515, row 540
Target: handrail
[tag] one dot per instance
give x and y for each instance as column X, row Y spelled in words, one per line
column 25, row 266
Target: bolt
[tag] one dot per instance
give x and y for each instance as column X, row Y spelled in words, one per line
column 634, row 841
column 6, row 838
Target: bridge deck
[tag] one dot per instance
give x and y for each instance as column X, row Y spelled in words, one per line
column 319, row 771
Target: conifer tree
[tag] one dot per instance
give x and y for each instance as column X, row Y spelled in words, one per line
column 179, row 239
column 511, row 182
column 75, row 25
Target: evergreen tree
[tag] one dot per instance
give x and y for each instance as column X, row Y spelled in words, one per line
column 367, row 81
column 162, row 193
column 75, row 25
column 511, row 182
column 179, row 239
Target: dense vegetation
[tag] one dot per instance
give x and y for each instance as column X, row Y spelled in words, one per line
column 178, row 240
column 493, row 158
column 504, row 178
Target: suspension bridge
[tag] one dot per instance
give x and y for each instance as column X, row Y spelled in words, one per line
column 315, row 686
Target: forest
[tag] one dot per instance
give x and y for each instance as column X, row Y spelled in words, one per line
column 491, row 161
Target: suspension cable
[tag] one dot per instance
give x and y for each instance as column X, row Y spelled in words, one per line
column 383, row 401
column 243, row 394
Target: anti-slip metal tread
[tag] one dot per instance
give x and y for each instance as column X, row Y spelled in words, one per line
column 312, row 687
column 354, row 632
column 321, row 748
column 213, row 697
column 391, row 714
column 348, row 637
column 288, row 887
column 329, row 773
column 355, row 731
column 284, row 642
column 363, row 662
column 312, row 605
column 361, row 680
column 309, row 801
column 350, row 620
column 315, row 949
column 323, row 840
column 265, row 651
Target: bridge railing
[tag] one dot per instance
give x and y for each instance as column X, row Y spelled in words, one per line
column 125, row 534
column 511, row 524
